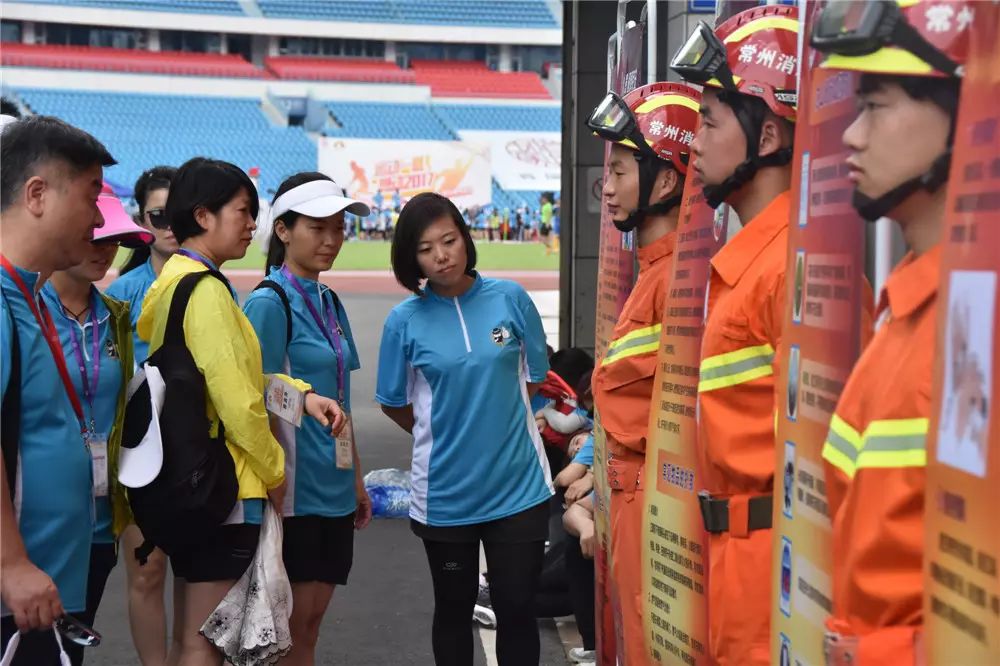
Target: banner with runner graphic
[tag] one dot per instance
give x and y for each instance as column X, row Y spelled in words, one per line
column 962, row 590
column 675, row 565
column 615, row 277
column 821, row 340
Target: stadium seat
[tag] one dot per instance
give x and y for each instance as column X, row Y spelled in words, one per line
column 363, row 70
column 127, row 60
column 501, row 118
column 456, row 78
column 508, row 14
column 387, row 121
column 227, row 7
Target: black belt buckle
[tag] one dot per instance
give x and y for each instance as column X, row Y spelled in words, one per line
column 714, row 520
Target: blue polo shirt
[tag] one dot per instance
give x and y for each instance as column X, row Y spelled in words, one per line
column 315, row 486
column 53, row 499
column 109, row 379
column 132, row 288
column 463, row 364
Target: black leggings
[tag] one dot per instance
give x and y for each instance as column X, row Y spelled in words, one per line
column 514, row 569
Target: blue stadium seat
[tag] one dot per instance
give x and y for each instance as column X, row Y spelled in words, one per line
column 509, row 13
column 387, row 121
column 142, row 130
column 227, row 7
column 475, row 117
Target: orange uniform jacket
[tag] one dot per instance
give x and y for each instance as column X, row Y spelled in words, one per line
column 623, row 382
column 736, row 393
column 875, row 470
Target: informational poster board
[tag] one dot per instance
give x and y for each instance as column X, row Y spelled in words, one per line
column 522, row 160
column 962, row 590
column 821, row 341
column 675, row 566
column 616, row 275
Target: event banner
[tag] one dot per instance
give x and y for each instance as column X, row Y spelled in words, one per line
column 962, row 590
column 821, row 340
column 522, row 160
column 616, row 275
column 458, row 170
column 675, row 566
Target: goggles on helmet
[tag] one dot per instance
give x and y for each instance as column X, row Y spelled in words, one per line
column 703, row 58
column 612, row 120
column 851, row 28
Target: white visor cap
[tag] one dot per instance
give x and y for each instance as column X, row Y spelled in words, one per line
column 319, row 198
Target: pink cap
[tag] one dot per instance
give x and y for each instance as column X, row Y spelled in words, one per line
column 118, row 225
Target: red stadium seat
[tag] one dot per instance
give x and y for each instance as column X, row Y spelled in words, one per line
column 13, row 54
column 456, row 78
column 338, row 69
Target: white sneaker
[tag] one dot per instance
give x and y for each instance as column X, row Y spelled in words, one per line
column 483, row 611
column 581, row 656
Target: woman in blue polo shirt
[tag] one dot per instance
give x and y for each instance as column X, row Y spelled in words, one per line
column 458, row 364
column 326, row 499
column 146, row 583
column 97, row 344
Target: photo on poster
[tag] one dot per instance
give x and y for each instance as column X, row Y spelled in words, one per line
column 804, row 191
column 785, row 594
column 794, row 377
column 798, row 296
column 963, row 430
column 785, row 658
column 788, row 483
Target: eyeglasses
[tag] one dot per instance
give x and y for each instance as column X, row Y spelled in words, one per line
column 612, row 120
column 703, row 58
column 849, row 28
column 158, row 218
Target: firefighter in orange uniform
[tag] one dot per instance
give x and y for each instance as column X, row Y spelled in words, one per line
column 743, row 153
column 874, row 454
column 651, row 130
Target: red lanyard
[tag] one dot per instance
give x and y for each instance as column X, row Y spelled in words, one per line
column 51, row 336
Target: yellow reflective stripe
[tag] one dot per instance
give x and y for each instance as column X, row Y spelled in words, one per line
column 840, row 427
column 887, row 60
column 888, row 443
column 896, row 428
column 775, row 22
column 736, row 356
column 637, row 333
column 664, row 100
column 632, row 351
column 884, row 459
column 842, row 446
column 739, row 378
column 836, row 457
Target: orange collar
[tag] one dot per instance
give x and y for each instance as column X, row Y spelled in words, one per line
column 658, row 249
column 911, row 283
column 736, row 256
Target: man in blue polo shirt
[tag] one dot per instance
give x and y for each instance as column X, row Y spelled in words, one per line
column 51, row 178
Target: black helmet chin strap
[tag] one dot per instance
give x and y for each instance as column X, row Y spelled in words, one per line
column 649, row 168
column 932, row 179
column 744, row 173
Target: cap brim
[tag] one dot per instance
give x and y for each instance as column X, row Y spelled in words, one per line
column 118, row 226
column 139, row 465
column 331, row 205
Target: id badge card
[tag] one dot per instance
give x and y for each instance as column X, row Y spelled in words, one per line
column 284, row 400
column 98, row 445
column 345, row 445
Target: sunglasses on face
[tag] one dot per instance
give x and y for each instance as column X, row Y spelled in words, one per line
column 158, row 218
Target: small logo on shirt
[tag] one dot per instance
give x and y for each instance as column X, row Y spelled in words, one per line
column 110, row 349
column 500, row 335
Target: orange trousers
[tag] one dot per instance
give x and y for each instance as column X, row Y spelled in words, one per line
column 626, row 570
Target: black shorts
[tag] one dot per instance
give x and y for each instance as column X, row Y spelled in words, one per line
column 319, row 549
column 524, row 527
column 225, row 556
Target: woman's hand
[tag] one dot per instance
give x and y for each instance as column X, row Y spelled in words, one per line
column 277, row 496
column 363, row 516
column 587, row 541
column 327, row 411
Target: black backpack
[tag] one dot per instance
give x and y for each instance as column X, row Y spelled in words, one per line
column 196, row 488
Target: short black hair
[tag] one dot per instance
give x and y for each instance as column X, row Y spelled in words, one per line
column 275, row 248
column 419, row 213
column 28, row 143
column 202, row 182
column 758, row 111
column 9, row 108
column 154, row 178
column 943, row 92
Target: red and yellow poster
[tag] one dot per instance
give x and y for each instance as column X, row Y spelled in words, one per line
column 675, row 567
column 962, row 592
column 821, row 340
column 616, row 275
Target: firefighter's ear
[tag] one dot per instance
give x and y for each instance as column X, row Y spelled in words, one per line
column 667, row 181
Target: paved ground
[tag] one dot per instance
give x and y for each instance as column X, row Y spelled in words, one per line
column 383, row 617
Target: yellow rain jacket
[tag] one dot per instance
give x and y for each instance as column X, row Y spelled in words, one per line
column 226, row 351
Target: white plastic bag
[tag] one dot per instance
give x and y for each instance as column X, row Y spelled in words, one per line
column 250, row 625
column 15, row 640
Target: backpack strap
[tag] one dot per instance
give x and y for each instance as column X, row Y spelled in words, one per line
column 277, row 288
column 174, row 333
column 10, row 412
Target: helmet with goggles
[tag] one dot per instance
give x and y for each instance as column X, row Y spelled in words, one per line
column 897, row 38
column 658, row 122
column 751, row 54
